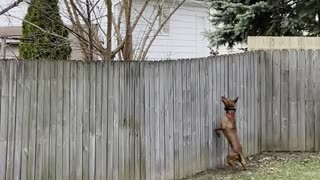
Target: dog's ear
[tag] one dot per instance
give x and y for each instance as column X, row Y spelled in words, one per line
column 235, row 100
column 223, row 98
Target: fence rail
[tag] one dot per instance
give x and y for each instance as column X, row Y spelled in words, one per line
column 151, row 120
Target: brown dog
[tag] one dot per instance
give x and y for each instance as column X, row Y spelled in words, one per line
column 229, row 129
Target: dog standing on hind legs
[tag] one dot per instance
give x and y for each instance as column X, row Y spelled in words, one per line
column 229, row 129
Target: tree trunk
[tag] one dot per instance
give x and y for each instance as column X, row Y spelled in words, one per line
column 128, row 55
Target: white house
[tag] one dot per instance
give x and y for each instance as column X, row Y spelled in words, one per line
column 182, row 36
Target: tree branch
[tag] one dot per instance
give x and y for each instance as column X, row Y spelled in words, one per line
column 16, row 3
column 160, row 28
column 146, row 2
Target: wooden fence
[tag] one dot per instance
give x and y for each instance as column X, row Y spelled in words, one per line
column 290, row 96
column 151, row 120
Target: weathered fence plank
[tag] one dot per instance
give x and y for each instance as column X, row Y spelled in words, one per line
column 116, row 121
column 99, row 169
column 301, row 83
column 169, row 122
column 310, row 102
column 316, row 68
column 39, row 148
column 52, row 117
column 108, row 101
column 11, row 120
column 80, row 97
column 262, row 115
column 19, row 122
column 215, row 117
column 293, row 101
column 73, row 120
column 269, row 86
column 86, row 122
column 58, row 100
column 276, row 90
column 66, row 120
column 284, row 98
column 210, row 113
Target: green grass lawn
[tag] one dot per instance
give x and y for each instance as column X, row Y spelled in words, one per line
column 294, row 166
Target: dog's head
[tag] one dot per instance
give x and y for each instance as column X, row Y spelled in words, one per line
column 229, row 104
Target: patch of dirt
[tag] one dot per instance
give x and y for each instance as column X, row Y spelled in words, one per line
column 268, row 165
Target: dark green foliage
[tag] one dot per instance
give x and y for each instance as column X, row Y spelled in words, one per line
column 47, row 43
column 235, row 20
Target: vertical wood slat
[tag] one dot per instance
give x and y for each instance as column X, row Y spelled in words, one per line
column 47, row 125
column 59, row 107
column 179, row 114
column 39, row 147
column 210, row 113
column 284, row 99
column 127, row 121
column 162, row 119
column 66, row 122
column 99, row 169
column 116, row 120
column 105, row 146
column 73, row 120
column 133, row 126
column 80, row 101
column 17, row 167
column 316, row 69
column 157, row 126
column 108, row 89
column 25, row 122
column 220, row 143
column 204, row 77
column 276, row 101
column 147, row 111
column 257, row 101
column 11, row 120
column 193, row 124
column 142, row 102
column 310, row 102
column 86, row 122
column 121, row 121
column 169, row 122
column 215, row 119
column 293, row 101
column 152, row 121
column 33, row 122
column 241, row 103
column 262, row 113
column 4, row 117
column 301, row 83
column 188, row 133
column 269, row 99
column 53, row 124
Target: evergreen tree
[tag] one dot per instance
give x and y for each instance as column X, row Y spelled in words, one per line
column 50, row 42
column 235, row 20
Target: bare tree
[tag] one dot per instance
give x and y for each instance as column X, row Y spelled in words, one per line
column 102, row 25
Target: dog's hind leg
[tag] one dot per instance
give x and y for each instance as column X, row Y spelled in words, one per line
column 229, row 160
column 242, row 161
